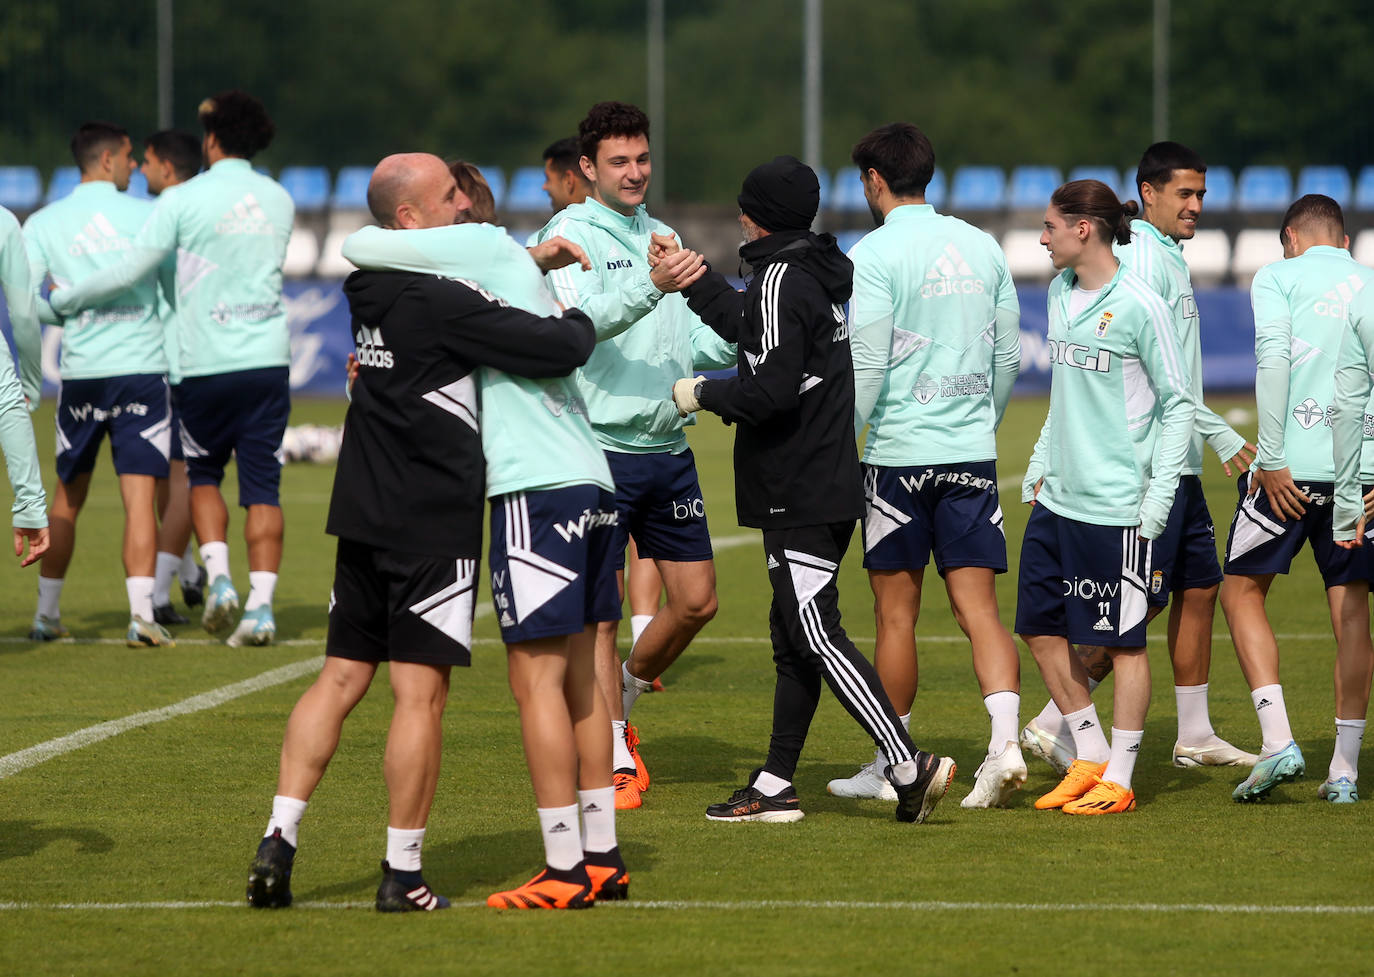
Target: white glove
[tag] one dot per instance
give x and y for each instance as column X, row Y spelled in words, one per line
column 685, row 395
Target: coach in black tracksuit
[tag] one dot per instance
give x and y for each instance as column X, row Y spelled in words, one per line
column 797, row 478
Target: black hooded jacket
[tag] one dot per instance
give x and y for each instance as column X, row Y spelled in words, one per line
column 796, row 463
column 411, row 475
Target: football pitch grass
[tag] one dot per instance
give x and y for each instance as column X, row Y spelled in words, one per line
column 124, row 849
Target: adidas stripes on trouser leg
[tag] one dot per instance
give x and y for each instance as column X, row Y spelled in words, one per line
column 809, row 643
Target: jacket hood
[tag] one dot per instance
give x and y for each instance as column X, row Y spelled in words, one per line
column 371, row 294
column 819, row 255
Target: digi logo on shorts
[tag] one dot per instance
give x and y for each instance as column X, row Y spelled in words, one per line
column 691, row 509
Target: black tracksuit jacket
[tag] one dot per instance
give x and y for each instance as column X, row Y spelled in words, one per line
column 793, row 400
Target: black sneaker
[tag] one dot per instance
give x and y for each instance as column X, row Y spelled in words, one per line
column 752, row 804
column 193, row 592
column 166, row 614
column 917, row 799
column 609, row 877
column 269, row 878
column 406, row 892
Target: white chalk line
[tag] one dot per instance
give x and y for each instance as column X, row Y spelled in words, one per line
column 768, row 905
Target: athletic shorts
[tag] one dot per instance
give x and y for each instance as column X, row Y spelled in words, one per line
column 1260, row 543
column 177, row 454
column 950, row 509
column 133, row 410
column 401, row 607
column 659, row 501
column 1186, row 552
column 243, row 414
column 552, row 561
column 1083, row 582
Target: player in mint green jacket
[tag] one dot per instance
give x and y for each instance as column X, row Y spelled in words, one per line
column 936, row 343
column 1102, row 480
column 1303, row 311
column 645, row 332
column 228, row 228
column 16, row 430
column 114, row 374
column 1172, row 182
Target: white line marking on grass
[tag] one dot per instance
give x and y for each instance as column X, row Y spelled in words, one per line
column 712, row 905
column 34, row 755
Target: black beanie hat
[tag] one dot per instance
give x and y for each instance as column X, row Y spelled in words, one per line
column 783, row 195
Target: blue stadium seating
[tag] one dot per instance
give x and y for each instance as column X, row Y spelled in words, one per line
column 350, row 188
column 937, row 190
column 308, row 186
column 526, row 193
column 1364, row 189
column 61, row 183
column 1031, row 186
column 21, row 187
column 978, row 188
column 1333, row 181
column 847, row 192
column 497, row 181
column 1264, row 188
column 1109, row 175
column 1221, row 189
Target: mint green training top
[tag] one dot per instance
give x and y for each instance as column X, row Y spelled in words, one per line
column 1301, row 313
column 1121, row 409
column 19, row 296
column 936, row 339
column 646, row 340
column 73, row 239
column 535, row 433
column 1352, row 413
column 228, row 228
column 1158, row 259
column 16, row 430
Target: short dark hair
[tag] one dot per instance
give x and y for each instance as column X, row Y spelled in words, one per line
column 239, row 122
column 1094, row 201
column 607, row 119
column 564, row 154
column 1158, row 163
column 1315, row 212
column 475, row 187
column 93, row 138
column 901, row 154
column 181, row 149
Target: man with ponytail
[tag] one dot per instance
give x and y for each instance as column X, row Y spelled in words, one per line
column 1102, row 480
column 1172, row 182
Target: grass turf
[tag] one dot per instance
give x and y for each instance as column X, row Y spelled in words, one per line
column 169, row 812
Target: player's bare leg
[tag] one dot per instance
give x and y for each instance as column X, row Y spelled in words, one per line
column 415, row 742
column 67, row 500
column 312, row 731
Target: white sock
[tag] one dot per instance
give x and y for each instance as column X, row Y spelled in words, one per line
column 1194, row 722
column 770, row 785
column 638, row 622
column 598, row 819
column 187, row 570
column 1345, row 760
column 1273, row 717
column 1004, row 709
column 167, row 564
column 1125, row 748
column 885, row 761
column 262, row 584
column 50, row 597
column 286, row 814
column 621, row 761
column 140, row 591
column 403, row 848
column 630, row 688
column 216, row 558
column 1089, row 742
column 562, row 840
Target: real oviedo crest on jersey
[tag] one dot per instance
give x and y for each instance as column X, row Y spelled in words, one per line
column 1103, row 324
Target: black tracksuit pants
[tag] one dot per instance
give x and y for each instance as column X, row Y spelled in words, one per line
column 810, row 643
